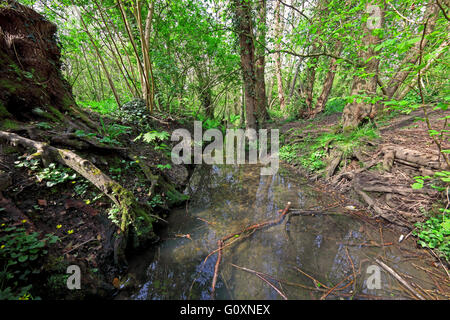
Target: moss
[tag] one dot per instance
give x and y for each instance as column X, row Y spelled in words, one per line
column 175, row 197
column 8, row 85
column 4, row 112
column 9, row 124
column 134, row 215
column 45, row 114
column 7, row 149
column 56, row 112
column 96, row 171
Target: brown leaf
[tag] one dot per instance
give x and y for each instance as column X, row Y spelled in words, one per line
column 42, row 202
column 116, row 283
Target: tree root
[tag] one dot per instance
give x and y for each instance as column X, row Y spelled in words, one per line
column 131, row 213
column 331, row 169
column 412, row 158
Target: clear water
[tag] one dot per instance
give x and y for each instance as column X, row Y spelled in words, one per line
column 326, row 246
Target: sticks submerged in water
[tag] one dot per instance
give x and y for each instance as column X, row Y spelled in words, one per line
column 252, row 228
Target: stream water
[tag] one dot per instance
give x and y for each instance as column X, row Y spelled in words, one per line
column 328, row 246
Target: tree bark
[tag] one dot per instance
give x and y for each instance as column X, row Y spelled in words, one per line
column 328, row 83
column 365, row 87
column 260, row 86
column 247, row 52
column 278, row 72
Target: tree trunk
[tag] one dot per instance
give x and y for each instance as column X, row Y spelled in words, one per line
column 260, row 86
column 244, row 29
column 328, row 83
column 278, row 34
column 355, row 113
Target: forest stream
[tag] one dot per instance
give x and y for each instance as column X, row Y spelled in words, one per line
column 304, row 256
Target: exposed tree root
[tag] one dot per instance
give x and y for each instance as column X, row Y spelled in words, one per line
column 331, row 169
column 131, row 213
column 413, row 158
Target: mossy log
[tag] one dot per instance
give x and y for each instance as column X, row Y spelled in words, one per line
column 132, row 213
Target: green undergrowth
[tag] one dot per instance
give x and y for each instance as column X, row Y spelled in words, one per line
column 21, row 255
column 103, row 107
column 311, row 151
column 434, row 232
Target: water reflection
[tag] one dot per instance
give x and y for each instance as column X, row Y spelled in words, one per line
column 225, row 199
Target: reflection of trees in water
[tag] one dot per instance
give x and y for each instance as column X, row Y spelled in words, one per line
column 211, row 185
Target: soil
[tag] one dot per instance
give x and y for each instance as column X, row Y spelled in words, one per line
column 36, row 103
column 393, row 199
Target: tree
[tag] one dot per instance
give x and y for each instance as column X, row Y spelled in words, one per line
column 244, row 30
column 364, row 88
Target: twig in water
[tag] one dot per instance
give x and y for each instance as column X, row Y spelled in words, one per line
column 216, row 269
column 270, row 284
column 400, row 279
column 353, row 268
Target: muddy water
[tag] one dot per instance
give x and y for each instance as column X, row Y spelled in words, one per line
column 328, row 246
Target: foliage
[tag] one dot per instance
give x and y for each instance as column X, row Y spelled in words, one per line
column 155, row 138
column 54, row 175
column 311, row 153
column 44, row 125
column 434, row 233
column 335, row 105
column 106, row 106
column 20, row 253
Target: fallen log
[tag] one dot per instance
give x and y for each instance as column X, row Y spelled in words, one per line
column 131, row 213
column 414, row 158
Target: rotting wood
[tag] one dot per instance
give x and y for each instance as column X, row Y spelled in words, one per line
column 331, row 169
column 123, row 198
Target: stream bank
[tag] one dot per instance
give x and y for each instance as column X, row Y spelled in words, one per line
column 375, row 165
column 304, row 256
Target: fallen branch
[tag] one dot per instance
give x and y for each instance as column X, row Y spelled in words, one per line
column 400, row 279
column 251, row 228
column 260, row 275
column 123, row 198
column 270, row 284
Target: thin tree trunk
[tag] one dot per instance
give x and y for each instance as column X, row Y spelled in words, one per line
column 144, row 79
column 116, row 54
column 105, row 69
column 432, row 14
column 278, row 34
column 328, row 83
column 261, row 110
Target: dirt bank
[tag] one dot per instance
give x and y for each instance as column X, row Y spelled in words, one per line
column 75, row 188
column 378, row 172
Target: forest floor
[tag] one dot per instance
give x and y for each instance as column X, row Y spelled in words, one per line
column 51, row 199
column 378, row 171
